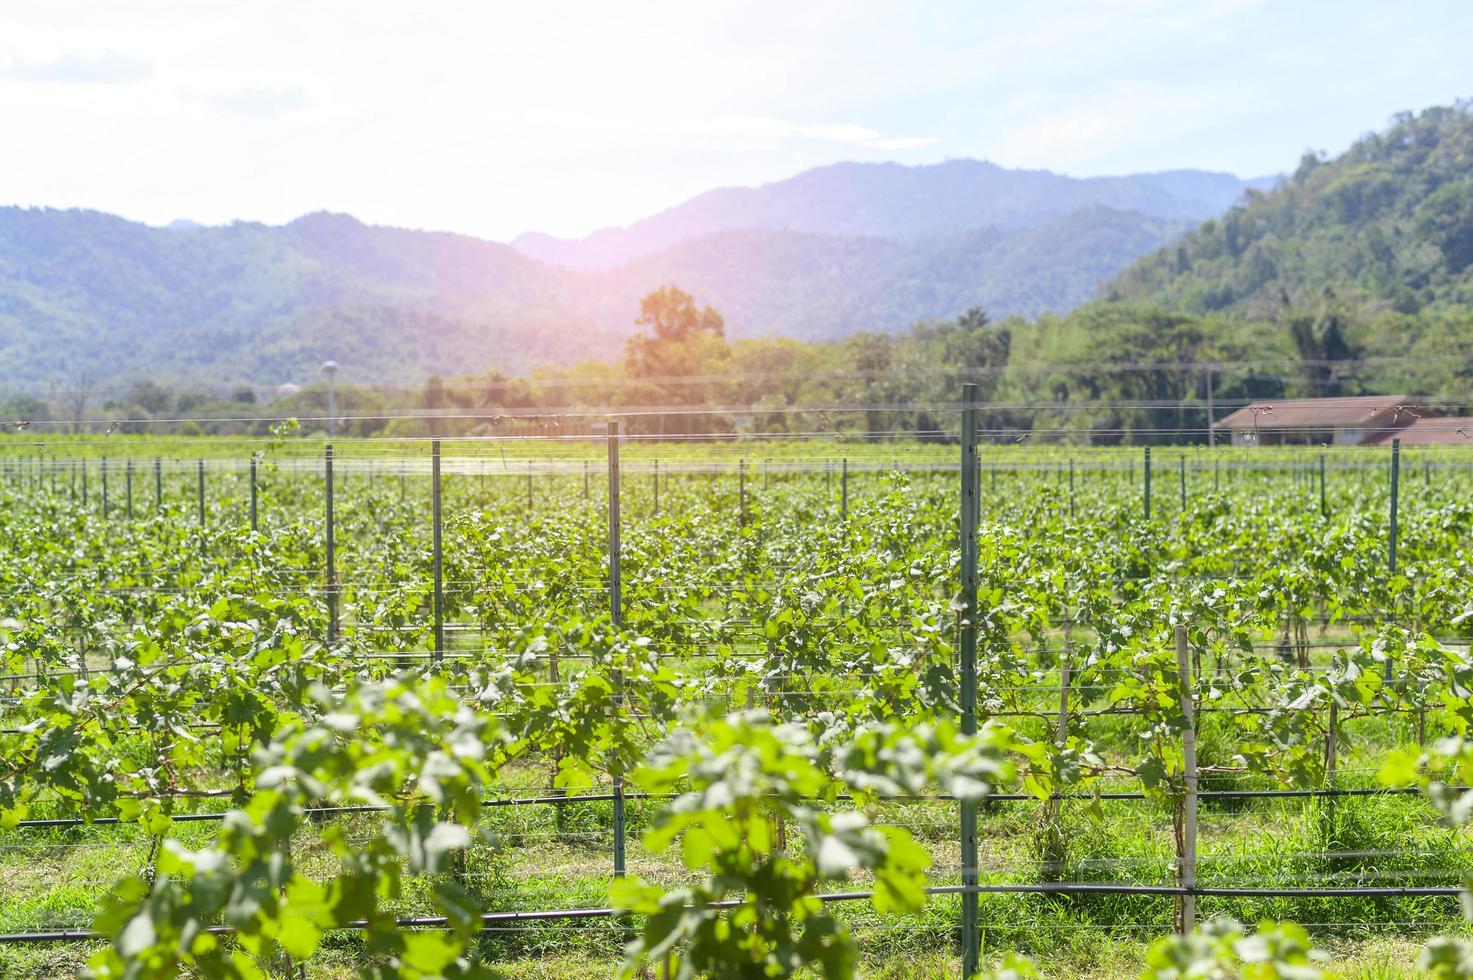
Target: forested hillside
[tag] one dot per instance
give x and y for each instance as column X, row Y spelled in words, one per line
column 86, row 296
column 84, row 293
column 1366, row 258
column 1387, row 226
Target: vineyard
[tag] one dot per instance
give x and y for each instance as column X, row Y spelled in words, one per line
column 824, row 705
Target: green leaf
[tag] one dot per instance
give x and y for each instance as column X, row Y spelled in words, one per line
column 137, row 936
column 633, row 895
column 429, row 953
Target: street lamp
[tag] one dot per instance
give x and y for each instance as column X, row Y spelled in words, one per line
column 330, row 368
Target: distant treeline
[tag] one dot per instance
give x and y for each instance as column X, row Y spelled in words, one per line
column 1111, row 372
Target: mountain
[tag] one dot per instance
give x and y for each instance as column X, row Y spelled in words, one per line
column 833, row 251
column 816, row 287
column 85, row 293
column 894, row 201
column 1385, row 228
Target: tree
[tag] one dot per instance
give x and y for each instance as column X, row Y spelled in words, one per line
column 941, row 356
column 434, row 402
column 1321, row 341
column 150, row 396
column 1446, row 219
column 974, row 319
column 685, row 349
column 76, row 393
column 672, row 315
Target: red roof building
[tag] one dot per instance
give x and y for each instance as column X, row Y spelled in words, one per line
column 1352, row 421
column 1435, row 431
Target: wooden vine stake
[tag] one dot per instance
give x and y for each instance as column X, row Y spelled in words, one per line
column 436, row 552
column 1186, row 842
column 616, row 615
column 331, row 585
column 1392, row 528
column 1332, row 743
column 1053, row 811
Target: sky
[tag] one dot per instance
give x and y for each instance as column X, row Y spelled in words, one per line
column 493, row 118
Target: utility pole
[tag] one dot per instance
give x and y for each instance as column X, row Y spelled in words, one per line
column 1211, row 415
column 330, row 368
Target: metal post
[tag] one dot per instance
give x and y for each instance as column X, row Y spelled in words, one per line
column 254, row 525
column 1147, row 497
column 585, row 479
column 844, row 488
column 158, row 484
column 1211, row 424
column 84, row 482
column 103, row 467
column 1071, row 486
column 436, row 557
column 742, row 489
column 657, row 488
column 330, row 368
column 1187, row 858
column 1392, row 529
column 1395, row 483
column 201, row 493
column 967, row 655
column 616, row 616
column 332, row 571
column 128, row 481
column 1324, row 509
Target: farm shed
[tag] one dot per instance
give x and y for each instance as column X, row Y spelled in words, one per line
column 1449, row 431
column 1352, row 421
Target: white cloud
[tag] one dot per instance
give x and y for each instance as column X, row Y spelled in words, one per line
column 839, row 133
column 1083, row 132
column 1068, row 135
column 492, row 118
column 776, row 131
column 264, row 101
column 903, row 143
column 103, row 68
